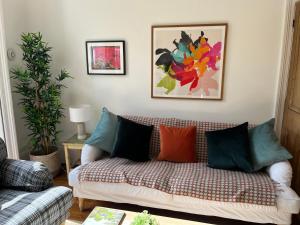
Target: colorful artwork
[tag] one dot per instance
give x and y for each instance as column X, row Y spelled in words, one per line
column 105, row 57
column 188, row 61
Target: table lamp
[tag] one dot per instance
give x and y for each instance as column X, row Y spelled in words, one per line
column 80, row 114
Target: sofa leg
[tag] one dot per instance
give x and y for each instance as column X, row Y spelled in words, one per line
column 81, row 204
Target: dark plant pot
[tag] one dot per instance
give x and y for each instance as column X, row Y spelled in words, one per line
column 51, row 160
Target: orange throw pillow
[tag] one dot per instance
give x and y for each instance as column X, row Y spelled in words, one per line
column 177, row 144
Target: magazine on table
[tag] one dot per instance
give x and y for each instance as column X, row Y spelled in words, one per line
column 104, row 216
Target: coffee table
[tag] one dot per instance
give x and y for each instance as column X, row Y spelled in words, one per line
column 129, row 215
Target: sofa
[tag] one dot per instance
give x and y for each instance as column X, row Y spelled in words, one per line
column 27, row 194
column 261, row 197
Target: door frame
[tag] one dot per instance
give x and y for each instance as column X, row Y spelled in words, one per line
column 6, row 96
column 284, row 65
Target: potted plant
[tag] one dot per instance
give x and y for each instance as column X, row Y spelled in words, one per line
column 144, row 218
column 41, row 99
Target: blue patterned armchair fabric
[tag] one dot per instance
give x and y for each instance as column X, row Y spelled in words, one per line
column 49, row 207
column 3, row 152
column 24, row 175
column 26, row 195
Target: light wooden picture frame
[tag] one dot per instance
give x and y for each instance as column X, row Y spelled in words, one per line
column 188, row 61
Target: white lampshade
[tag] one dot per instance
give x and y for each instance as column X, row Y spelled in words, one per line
column 80, row 113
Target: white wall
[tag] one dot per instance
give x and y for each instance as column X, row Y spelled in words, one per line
column 1, row 124
column 15, row 23
column 251, row 69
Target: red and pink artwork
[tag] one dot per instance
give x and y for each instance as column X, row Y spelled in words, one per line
column 188, row 61
column 104, row 57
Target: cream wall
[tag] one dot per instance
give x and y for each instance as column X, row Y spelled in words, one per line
column 252, row 59
column 15, row 23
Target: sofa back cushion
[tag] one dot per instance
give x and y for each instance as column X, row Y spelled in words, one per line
column 201, row 144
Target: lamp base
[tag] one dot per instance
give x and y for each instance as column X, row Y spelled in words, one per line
column 81, row 134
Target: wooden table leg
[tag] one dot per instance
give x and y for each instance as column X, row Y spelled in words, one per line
column 67, row 159
column 81, row 204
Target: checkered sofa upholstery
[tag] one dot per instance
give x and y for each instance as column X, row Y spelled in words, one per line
column 26, row 193
column 201, row 144
column 187, row 179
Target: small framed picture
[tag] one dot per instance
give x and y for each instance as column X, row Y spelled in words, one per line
column 105, row 57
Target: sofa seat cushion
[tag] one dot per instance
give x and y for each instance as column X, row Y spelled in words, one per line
column 187, row 179
column 46, row 207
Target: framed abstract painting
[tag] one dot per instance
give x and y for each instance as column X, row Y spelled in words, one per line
column 188, row 61
column 105, row 57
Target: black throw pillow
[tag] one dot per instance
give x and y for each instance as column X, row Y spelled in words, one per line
column 133, row 140
column 229, row 149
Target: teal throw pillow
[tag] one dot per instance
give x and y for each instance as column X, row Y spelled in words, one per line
column 103, row 136
column 265, row 147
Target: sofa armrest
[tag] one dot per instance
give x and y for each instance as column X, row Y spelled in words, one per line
column 287, row 199
column 281, row 172
column 25, row 175
column 89, row 154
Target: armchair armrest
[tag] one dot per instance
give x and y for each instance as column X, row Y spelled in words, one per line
column 281, row 172
column 24, row 175
column 89, row 154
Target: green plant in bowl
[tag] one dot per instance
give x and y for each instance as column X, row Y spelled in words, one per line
column 144, row 218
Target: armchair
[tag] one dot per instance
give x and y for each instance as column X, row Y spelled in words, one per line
column 27, row 195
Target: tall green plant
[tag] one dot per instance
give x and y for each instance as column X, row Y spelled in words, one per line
column 41, row 93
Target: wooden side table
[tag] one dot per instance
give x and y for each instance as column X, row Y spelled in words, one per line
column 72, row 144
